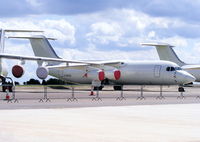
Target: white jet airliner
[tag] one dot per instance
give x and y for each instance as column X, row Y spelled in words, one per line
column 99, row 72
column 166, row 52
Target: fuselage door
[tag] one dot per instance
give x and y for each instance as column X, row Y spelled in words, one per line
column 157, row 69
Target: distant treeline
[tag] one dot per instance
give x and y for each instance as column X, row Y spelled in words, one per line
column 51, row 81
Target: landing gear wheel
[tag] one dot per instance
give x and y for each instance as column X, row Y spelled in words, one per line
column 117, row 87
column 10, row 89
column 181, row 89
column 98, row 88
column 4, row 88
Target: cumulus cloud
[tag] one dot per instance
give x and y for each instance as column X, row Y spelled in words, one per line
column 181, row 9
column 60, row 29
column 109, row 32
column 95, row 54
column 34, row 3
column 103, row 32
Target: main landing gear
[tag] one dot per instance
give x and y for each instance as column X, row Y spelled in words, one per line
column 7, row 86
column 117, row 88
column 98, row 88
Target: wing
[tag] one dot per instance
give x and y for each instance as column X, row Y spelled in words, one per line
column 34, row 58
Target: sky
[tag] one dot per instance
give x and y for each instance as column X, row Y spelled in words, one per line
column 104, row 29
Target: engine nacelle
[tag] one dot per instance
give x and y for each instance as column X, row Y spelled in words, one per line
column 96, row 75
column 113, row 74
column 42, row 72
column 117, row 74
column 17, row 71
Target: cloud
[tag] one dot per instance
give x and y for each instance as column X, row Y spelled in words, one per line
column 180, row 9
column 95, row 54
column 185, row 10
column 103, row 33
column 111, row 34
column 60, row 29
column 34, row 3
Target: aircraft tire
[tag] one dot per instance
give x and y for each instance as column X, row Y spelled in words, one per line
column 98, row 88
column 10, row 89
column 117, row 88
column 3, row 88
column 181, row 89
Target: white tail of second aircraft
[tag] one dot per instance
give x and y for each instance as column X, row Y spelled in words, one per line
column 166, row 52
column 41, row 47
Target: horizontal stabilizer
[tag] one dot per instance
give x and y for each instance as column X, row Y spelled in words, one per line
column 30, row 37
column 9, row 30
column 157, row 44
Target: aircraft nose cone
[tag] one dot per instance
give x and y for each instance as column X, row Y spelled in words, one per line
column 183, row 77
column 189, row 78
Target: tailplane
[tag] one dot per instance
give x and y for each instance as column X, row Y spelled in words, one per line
column 166, row 52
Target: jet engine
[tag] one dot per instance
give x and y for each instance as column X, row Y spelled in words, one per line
column 117, row 74
column 42, row 72
column 17, row 71
column 113, row 74
column 96, row 75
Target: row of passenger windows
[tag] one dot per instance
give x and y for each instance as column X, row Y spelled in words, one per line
column 173, row 68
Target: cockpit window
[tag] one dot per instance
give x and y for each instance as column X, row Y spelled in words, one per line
column 178, row 68
column 168, row 69
column 173, row 68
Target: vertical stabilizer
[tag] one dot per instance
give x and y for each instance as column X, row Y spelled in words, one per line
column 42, row 48
column 166, row 52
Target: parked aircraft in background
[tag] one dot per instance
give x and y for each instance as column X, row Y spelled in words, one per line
column 166, row 52
column 3, row 69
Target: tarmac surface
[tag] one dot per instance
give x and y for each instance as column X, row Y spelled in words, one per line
column 104, row 119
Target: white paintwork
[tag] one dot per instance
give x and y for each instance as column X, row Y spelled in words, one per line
column 138, row 72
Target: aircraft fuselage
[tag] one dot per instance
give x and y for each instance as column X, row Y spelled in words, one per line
column 132, row 73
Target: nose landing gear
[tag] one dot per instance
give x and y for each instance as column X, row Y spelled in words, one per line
column 181, row 90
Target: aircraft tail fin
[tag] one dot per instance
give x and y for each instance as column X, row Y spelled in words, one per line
column 41, row 47
column 166, row 52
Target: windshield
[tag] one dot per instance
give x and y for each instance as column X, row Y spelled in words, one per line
column 173, row 68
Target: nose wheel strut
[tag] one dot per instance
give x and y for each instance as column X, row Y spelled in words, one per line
column 181, row 90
